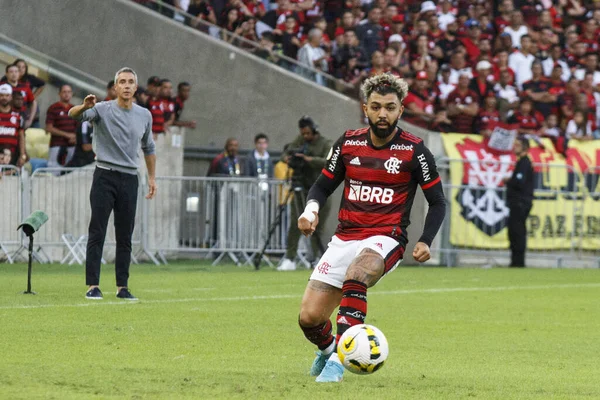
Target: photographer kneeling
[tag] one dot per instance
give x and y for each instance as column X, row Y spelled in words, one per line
column 306, row 156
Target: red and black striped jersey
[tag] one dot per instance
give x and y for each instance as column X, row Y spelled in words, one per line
column 25, row 89
column 168, row 105
column 58, row 116
column 158, row 115
column 11, row 125
column 379, row 182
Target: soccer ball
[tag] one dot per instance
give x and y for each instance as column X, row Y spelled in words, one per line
column 363, row 349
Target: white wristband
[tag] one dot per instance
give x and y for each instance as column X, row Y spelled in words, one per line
column 309, row 210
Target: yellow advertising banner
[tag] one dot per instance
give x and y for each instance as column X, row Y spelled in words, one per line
column 566, row 207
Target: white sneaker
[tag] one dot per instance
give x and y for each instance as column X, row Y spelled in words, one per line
column 287, row 265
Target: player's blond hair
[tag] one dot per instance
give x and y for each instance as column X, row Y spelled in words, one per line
column 384, row 84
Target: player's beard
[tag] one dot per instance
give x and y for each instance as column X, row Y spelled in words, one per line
column 382, row 133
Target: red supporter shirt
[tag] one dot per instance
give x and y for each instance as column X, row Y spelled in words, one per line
column 158, row 116
column 462, row 122
column 168, row 106
column 501, row 23
column 592, row 44
column 487, row 120
column 25, row 90
column 58, row 116
column 424, row 101
column 11, row 125
column 472, row 49
column 379, row 183
column 532, row 121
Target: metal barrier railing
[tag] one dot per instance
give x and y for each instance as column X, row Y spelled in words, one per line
column 230, row 217
column 216, row 216
column 11, row 213
column 477, row 208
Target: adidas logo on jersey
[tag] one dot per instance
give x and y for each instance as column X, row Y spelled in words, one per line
column 355, row 143
column 355, row 161
column 401, row 147
column 343, row 320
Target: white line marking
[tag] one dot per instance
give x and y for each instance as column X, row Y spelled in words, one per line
column 298, row 296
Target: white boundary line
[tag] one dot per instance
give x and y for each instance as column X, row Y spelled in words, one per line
column 298, row 296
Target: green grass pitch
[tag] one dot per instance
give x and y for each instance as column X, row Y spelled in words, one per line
column 201, row 332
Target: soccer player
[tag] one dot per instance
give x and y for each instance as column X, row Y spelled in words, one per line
column 381, row 167
column 121, row 128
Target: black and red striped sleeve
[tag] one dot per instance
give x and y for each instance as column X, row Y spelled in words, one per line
column 331, row 176
column 427, row 176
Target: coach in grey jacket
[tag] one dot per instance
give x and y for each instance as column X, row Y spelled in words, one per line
column 121, row 128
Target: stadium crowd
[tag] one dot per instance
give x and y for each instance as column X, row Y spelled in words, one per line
column 471, row 64
column 70, row 143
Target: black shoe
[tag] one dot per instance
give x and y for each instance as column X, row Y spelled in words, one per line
column 125, row 294
column 94, row 294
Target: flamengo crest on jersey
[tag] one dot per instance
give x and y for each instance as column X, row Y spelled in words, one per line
column 393, row 165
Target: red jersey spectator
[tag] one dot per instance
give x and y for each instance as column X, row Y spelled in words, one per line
column 463, row 106
column 567, row 100
column 435, row 33
column 12, row 78
column 579, row 128
column 419, row 102
column 390, row 11
column 35, row 84
column 471, row 42
column 589, row 36
column 481, row 85
column 529, row 120
column 155, row 106
column 62, row 128
column 503, row 20
column 12, row 136
column 183, row 94
column 167, row 100
column 488, row 116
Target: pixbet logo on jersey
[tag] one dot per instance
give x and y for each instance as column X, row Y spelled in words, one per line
column 370, row 194
column 355, row 143
column 401, row 147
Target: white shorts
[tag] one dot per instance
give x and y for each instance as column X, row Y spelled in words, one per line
column 334, row 263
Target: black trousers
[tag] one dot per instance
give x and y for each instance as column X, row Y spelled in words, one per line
column 517, row 232
column 111, row 191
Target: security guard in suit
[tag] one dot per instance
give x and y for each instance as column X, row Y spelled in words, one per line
column 519, row 196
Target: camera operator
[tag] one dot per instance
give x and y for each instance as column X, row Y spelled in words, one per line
column 306, row 156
